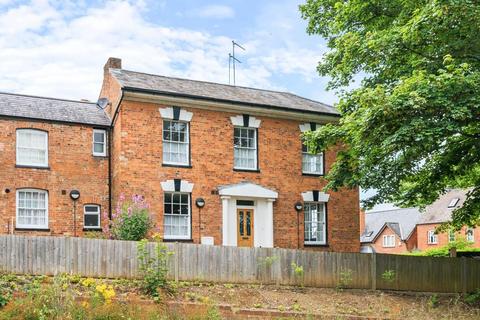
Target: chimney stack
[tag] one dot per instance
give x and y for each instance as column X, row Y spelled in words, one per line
column 114, row 63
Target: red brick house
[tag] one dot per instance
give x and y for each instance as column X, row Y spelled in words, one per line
column 180, row 143
column 389, row 231
column 405, row 230
column 436, row 214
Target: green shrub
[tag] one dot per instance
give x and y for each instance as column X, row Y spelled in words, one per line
column 473, row 298
column 461, row 244
column 130, row 221
column 153, row 268
column 346, row 279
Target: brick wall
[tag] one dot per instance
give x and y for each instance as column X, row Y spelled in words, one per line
column 422, row 235
column 138, row 169
column 72, row 166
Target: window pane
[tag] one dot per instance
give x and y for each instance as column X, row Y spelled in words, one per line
column 99, row 136
column 92, row 220
column 31, row 147
column 98, row 148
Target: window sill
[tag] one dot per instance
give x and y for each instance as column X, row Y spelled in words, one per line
column 31, row 167
column 177, row 165
column 32, row 229
column 99, row 156
column 312, row 174
column 246, row 170
column 93, row 229
column 315, row 245
column 177, row 240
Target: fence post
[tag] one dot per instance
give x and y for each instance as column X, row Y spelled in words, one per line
column 175, row 256
column 464, row 275
column 374, row 271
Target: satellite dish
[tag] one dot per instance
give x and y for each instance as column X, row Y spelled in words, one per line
column 102, row 103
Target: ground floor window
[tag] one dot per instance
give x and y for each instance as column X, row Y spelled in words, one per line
column 469, row 235
column 315, row 223
column 177, row 216
column 432, row 237
column 451, row 236
column 389, row 241
column 91, row 216
column 32, row 209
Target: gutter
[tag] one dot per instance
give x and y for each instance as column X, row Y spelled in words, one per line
column 231, row 102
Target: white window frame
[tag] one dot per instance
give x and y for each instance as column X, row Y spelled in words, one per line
column 104, row 132
column 189, row 217
column 85, row 213
column 432, row 238
column 31, row 226
column 319, row 161
column 389, row 241
column 324, row 207
column 472, row 233
column 45, row 148
column 187, row 143
column 451, row 236
column 255, row 148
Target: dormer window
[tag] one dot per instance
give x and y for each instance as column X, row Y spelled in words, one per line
column 453, row 202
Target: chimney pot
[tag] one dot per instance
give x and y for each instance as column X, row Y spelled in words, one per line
column 115, row 63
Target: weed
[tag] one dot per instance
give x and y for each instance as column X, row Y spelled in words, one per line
column 296, row 307
column 299, row 273
column 257, row 305
column 389, row 276
column 346, row 278
column 433, row 301
column 473, row 298
column 153, row 269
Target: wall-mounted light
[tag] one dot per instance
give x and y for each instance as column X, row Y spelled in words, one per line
column 200, row 202
column 74, row 195
column 298, row 206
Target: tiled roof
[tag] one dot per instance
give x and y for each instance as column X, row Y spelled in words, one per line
column 219, row 92
column 439, row 212
column 41, row 108
column 401, row 221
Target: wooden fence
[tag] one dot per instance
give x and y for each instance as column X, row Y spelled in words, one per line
column 118, row 259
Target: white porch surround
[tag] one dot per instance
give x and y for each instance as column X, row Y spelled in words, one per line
column 262, row 198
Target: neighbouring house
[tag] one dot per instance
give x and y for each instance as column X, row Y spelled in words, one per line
column 389, row 231
column 439, row 212
column 219, row 164
column 399, row 230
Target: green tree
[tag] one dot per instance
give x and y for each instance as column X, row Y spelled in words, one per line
column 412, row 125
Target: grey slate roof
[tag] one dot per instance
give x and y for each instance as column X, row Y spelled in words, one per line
column 438, row 212
column 41, row 108
column 219, row 92
column 401, row 221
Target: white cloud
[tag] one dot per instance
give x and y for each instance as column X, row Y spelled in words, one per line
column 214, row 11
column 60, row 51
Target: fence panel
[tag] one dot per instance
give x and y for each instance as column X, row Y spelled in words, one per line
column 190, row 262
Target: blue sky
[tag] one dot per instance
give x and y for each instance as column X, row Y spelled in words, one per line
column 58, row 48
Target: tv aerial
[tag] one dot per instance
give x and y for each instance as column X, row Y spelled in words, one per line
column 232, row 60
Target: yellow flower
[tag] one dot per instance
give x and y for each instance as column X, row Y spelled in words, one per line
column 88, row 282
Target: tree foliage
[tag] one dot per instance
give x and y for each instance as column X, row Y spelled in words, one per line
column 412, row 126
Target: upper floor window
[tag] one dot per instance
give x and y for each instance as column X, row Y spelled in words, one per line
column 176, row 145
column 469, row 235
column 432, row 237
column 315, row 223
column 177, row 220
column 99, row 142
column 32, row 209
column 32, row 148
column 389, row 241
column 311, row 163
column 91, row 216
column 245, row 148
